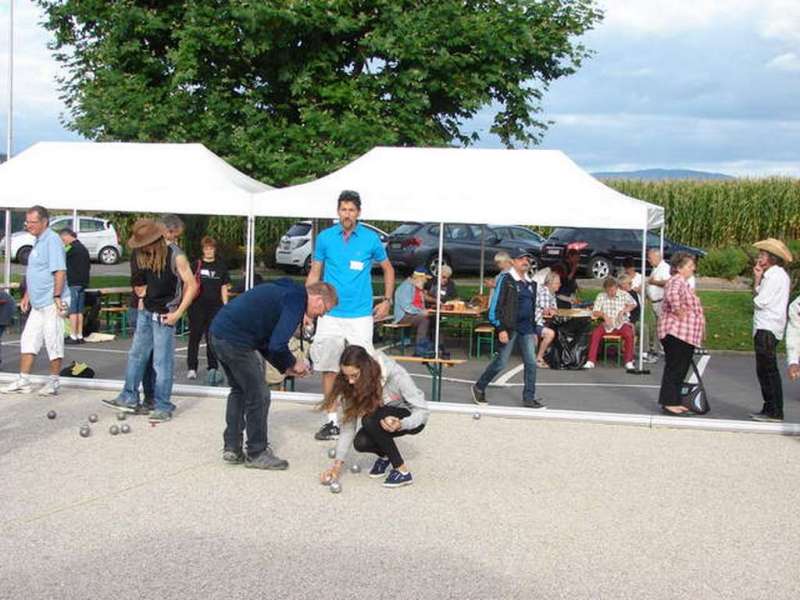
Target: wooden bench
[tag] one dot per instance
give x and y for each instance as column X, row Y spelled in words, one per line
column 435, row 367
column 114, row 315
column 400, row 333
column 483, row 334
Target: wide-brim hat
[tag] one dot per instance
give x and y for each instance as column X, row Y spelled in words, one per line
column 776, row 247
column 144, row 232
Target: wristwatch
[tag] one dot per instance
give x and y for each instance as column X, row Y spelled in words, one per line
column 387, row 299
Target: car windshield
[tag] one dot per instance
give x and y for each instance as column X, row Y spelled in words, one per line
column 299, row 230
column 562, row 235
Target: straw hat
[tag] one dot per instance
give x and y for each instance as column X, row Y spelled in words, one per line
column 144, row 232
column 776, row 247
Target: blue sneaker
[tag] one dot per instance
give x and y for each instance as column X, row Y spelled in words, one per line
column 397, row 479
column 379, row 468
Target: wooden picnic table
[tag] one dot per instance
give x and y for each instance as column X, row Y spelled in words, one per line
column 575, row 313
column 435, row 367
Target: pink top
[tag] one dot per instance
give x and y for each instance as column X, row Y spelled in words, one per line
column 690, row 326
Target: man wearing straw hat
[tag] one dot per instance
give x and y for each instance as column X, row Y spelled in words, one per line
column 771, row 288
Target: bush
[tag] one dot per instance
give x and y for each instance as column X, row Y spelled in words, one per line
column 728, row 263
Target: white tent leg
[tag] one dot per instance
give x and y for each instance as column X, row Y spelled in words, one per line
column 642, row 311
column 483, row 256
column 75, row 220
column 252, row 251
column 439, row 289
column 247, row 255
column 7, row 265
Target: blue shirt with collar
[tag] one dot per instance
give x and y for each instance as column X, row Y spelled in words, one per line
column 347, row 265
column 46, row 257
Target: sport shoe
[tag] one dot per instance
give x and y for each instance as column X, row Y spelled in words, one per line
column 19, row 385
column 71, row 341
column 630, row 366
column 329, row 431
column 160, row 416
column 764, row 418
column 119, row 405
column 144, row 409
column 478, row 395
column 191, row 374
column 588, row 365
column 49, row 389
column 379, row 468
column 233, row 457
column 397, row 479
column 267, row 460
column 533, row 404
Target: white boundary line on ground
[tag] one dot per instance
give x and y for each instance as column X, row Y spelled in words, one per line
column 508, row 412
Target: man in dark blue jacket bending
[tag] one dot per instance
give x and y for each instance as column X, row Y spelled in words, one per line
column 257, row 324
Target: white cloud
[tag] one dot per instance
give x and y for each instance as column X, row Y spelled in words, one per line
column 788, row 61
column 780, row 21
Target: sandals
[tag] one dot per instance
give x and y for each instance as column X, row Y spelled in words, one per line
column 541, row 364
column 670, row 413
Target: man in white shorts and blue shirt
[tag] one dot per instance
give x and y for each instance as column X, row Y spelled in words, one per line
column 47, row 298
column 343, row 256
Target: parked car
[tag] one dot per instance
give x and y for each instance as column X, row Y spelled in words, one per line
column 98, row 235
column 603, row 250
column 294, row 248
column 417, row 244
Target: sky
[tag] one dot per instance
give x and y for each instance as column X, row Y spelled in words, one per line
column 700, row 84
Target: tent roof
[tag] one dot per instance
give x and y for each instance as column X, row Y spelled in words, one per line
column 126, row 177
column 537, row 187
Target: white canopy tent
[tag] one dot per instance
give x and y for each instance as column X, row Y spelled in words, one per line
column 542, row 187
column 127, row 177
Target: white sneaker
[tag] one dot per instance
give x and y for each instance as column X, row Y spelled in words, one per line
column 49, row 389
column 191, row 374
column 629, row 366
column 588, row 365
column 18, row 386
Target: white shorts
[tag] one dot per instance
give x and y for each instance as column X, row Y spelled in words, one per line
column 44, row 326
column 331, row 336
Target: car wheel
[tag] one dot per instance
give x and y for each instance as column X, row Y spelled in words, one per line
column 23, row 254
column 307, row 265
column 108, row 256
column 600, row 267
column 433, row 263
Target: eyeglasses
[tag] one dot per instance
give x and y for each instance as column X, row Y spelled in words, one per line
column 32, row 222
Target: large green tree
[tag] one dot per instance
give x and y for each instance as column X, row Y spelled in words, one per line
column 289, row 90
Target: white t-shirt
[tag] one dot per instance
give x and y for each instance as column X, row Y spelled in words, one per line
column 661, row 272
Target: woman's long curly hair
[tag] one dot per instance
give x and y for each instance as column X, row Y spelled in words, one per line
column 363, row 397
column 153, row 257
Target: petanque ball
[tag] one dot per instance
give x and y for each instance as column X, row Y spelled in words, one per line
column 336, row 487
column 85, row 431
column 332, row 453
column 51, row 414
column 113, row 430
column 355, row 468
column 125, row 428
column 121, row 416
column 93, row 418
column 476, row 415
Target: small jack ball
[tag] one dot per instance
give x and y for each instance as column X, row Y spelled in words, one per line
column 121, row 416
column 51, row 414
column 355, row 469
column 125, row 428
column 336, row 487
column 93, row 418
column 85, row 431
column 476, row 416
column 113, row 430
column 332, row 453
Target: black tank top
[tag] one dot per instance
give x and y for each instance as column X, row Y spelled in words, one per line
column 164, row 290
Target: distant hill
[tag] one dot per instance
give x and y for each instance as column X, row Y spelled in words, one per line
column 660, row 174
column 2, row 158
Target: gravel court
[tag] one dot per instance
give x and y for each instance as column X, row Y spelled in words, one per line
column 500, row 508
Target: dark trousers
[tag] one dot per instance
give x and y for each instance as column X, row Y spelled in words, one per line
column 678, row 358
column 421, row 324
column 769, row 377
column 373, row 438
column 249, row 399
column 200, row 317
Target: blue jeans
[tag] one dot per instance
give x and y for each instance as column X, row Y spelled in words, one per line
column 149, row 377
column 77, row 299
column 151, row 339
column 249, row 398
column 527, row 344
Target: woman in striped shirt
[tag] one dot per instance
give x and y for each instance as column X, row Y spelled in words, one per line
column 681, row 329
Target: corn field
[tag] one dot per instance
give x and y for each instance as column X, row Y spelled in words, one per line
column 713, row 214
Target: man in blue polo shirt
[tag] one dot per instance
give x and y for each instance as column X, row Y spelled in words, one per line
column 346, row 251
column 47, row 297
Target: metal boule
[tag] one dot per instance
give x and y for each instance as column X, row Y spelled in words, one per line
column 113, row 430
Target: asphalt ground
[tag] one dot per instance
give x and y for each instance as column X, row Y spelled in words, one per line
column 500, row 508
column 730, row 380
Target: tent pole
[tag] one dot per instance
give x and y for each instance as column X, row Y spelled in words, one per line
column 7, row 265
column 439, row 289
column 75, row 220
column 252, row 251
column 483, row 256
column 247, row 255
column 642, row 311
column 661, row 243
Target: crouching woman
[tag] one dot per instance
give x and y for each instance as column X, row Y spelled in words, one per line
column 382, row 394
